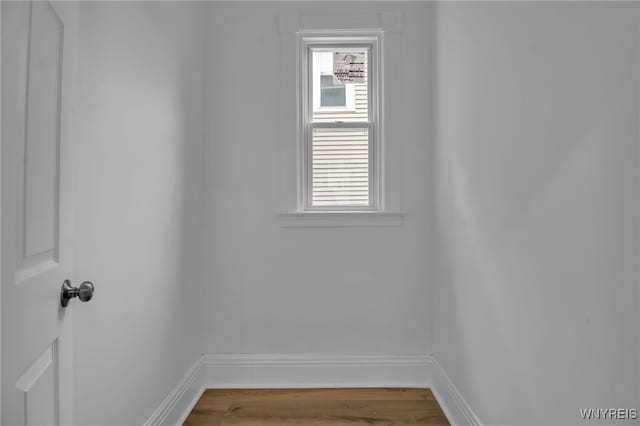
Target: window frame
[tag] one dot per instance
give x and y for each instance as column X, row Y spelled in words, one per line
column 372, row 42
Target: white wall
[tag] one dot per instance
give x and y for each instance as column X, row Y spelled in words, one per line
column 537, row 296
column 138, row 212
column 301, row 290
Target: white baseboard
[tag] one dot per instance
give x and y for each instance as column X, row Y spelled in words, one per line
column 315, row 371
column 175, row 408
column 254, row 371
column 457, row 410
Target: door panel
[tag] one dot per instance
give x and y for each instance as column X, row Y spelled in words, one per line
column 37, row 389
column 42, row 132
column 38, row 241
column 38, row 67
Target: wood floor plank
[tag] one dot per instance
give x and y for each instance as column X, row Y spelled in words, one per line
column 368, row 394
column 339, row 408
column 317, row 407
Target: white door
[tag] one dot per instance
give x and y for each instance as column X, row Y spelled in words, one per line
column 38, row 63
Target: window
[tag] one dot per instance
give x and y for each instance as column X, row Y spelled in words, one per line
column 341, row 165
column 332, row 92
column 340, row 125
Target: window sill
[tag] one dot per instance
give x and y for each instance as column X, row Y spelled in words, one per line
column 340, row 219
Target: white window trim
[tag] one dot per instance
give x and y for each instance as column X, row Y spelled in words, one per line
column 293, row 28
column 340, row 219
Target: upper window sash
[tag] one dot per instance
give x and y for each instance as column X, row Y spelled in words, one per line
column 339, row 44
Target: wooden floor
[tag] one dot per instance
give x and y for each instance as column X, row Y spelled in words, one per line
column 316, row 407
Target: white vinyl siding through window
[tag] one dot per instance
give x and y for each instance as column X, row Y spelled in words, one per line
column 340, row 167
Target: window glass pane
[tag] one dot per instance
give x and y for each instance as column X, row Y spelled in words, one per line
column 332, row 92
column 339, row 85
column 340, row 167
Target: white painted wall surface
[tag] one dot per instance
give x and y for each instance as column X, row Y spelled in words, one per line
column 305, row 290
column 537, row 295
column 1, row 283
column 138, row 213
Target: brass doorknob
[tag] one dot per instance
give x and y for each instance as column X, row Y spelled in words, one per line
column 84, row 292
